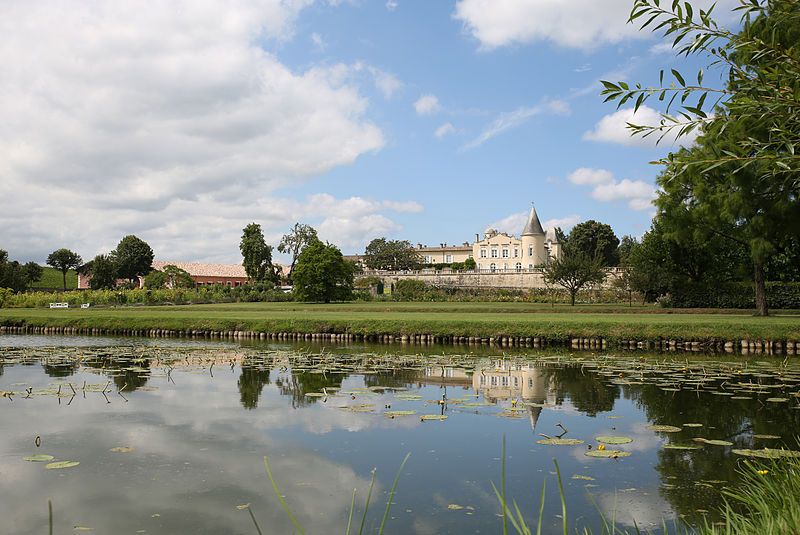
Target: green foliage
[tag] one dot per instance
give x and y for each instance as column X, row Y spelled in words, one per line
column 64, row 260
column 295, row 241
column 155, row 279
column 412, row 290
column 52, row 279
column 366, row 282
column 103, row 271
column 781, row 295
column 470, row 264
column 575, row 270
column 177, row 277
column 595, row 239
column 322, row 274
column 391, row 255
column 13, row 275
column 133, row 258
column 257, row 255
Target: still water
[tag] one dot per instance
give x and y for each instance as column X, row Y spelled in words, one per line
column 171, row 436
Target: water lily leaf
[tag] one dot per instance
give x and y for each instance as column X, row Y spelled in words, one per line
column 122, row 449
column 425, row 417
column 614, row 440
column 713, row 442
column 82, row 528
column 664, row 428
column 777, row 400
column 583, row 478
column 560, row 441
column 610, row 454
column 399, row 413
column 243, row 506
column 38, row 458
column 682, row 447
column 692, row 425
column 315, row 395
column 767, row 437
column 61, row 464
column 767, row 453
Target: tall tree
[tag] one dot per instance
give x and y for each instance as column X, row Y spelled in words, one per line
column 64, row 260
column 593, row 238
column 33, row 272
column 133, row 258
column 103, row 271
column 13, row 275
column 295, row 241
column 574, row 271
column 257, row 255
column 391, row 255
column 322, row 274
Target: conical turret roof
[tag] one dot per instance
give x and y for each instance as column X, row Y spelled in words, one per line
column 533, row 227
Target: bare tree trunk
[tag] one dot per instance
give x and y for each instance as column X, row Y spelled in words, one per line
column 64, row 276
column 760, row 287
column 572, row 294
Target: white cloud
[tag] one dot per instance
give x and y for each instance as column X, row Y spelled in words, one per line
column 319, row 42
column 507, row 121
column 444, row 130
column 564, row 223
column 613, row 128
column 386, row 82
column 171, row 122
column 585, row 175
column 638, row 193
column 584, row 24
column 662, row 48
column 391, row 5
column 427, row 105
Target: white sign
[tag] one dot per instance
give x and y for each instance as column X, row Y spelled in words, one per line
column 59, row 305
column 85, row 305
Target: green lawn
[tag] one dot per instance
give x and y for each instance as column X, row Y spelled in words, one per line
column 51, row 279
column 460, row 319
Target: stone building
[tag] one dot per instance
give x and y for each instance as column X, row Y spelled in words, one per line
column 498, row 251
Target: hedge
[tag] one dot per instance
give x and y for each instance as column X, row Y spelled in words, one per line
column 780, row 295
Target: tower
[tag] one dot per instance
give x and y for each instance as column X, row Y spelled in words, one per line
column 533, row 250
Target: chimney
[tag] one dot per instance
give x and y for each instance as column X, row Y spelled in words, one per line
column 477, row 237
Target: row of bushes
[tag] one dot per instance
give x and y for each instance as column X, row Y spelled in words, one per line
column 416, row 290
column 741, row 295
column 202, row 294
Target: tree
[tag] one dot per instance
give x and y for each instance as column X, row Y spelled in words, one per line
column 257, row 255
column 177, row 277
column 133, row 258
column 295, row 241
column 64, row 260
column 322, row 274
column 470, row 264
column 626, row 246
column 13, row 275
column 33, row 272
column 595, row 239
column 574, row 271
column 761, row 63
column 391, row 255
column 103, row 271
column 155, row 279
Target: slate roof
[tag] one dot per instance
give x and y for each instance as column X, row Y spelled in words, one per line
column 533, row 227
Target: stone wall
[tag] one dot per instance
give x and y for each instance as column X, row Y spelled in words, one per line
column 445, row 278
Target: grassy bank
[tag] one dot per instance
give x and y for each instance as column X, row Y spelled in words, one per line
column 52, row 279
column 446, row 319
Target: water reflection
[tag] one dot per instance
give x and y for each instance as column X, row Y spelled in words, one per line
column 322, row 418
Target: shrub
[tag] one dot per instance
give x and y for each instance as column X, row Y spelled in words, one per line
column 780, row 295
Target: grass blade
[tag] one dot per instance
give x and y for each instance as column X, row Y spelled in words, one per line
column 258, row 529
column 50, row 515
column 563, row 499
column 350, row 516
column 283, row 502
column 541, row 507
column 366, row 504
column 391, row 494
column 503, row 486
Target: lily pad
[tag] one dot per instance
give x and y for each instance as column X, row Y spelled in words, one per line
column 455, row 507
column 767, row 437
column 682, row 447
column 614, row 440
column 560, row 441
column 392, row 414
column 583, row 478
column 693, row 425
column 777, row 400
column 609, row 454
column 122, row 449
column 425, row 417
column 767, row 453
column 664, row 428
column 38, row 458
column 61, row 464
column 713, row 442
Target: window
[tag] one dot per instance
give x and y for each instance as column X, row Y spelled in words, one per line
column 530, row 266
column 428, row 259
column 518, row 267
column 530, row 383
column 530, row 251
column 516, row 382
column 505, row 253
column 492, row 267
column 505, row 266
column 448, row 258
column 516, row 253
column 494, row 253
column 483, row 253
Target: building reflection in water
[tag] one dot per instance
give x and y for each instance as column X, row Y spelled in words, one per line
column 500, row 382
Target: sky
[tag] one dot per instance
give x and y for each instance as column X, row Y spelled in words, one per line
column 183, row 121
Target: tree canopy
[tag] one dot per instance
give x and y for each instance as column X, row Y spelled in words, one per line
column 64, row 260
column 133, row 258
column 257, row 255
column 593, row 238
column 574, row 271
column 295, row 241
column 322, row 274
column 391, row 255
column 15, row 276
column 103, row 271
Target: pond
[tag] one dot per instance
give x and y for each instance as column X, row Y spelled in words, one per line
column 170, row 436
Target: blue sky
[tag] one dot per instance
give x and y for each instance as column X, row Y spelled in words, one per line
column 417, row 120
